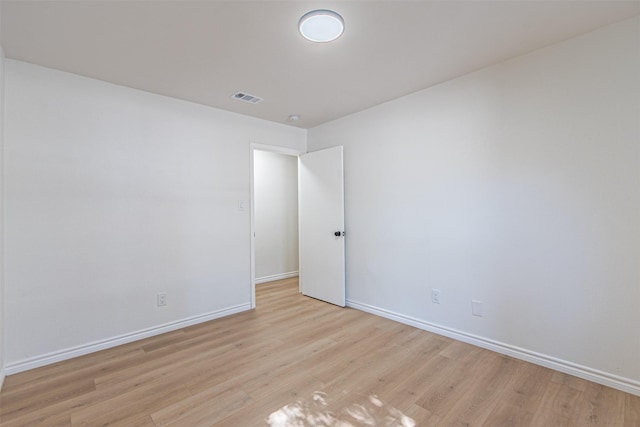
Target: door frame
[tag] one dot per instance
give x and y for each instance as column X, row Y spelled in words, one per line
column 253, row 146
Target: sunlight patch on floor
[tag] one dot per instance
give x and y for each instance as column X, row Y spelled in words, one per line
column 317, row 413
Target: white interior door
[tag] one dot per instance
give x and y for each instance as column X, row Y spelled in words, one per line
column 321, row 228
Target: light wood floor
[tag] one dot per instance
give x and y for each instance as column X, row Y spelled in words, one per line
column 312, row 363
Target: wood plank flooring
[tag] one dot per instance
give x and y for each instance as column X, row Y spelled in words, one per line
column 296, row 361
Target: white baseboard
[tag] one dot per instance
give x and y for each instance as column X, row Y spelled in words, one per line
column 273, row 277
column 600, row 377
column 49, row 358
column 1, row 378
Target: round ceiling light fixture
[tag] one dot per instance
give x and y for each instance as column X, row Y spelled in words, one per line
column 321, row 26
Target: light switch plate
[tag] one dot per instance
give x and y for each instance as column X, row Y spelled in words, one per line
column 476, row 308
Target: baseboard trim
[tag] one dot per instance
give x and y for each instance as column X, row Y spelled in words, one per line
column 1, row 378
column 273, row 277
column 58, row 356
column 600, row 377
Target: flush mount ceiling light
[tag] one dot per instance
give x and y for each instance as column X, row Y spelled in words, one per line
column 321, row 26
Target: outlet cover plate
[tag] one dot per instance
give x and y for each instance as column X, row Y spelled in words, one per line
column 162, row 299
column 435, row 296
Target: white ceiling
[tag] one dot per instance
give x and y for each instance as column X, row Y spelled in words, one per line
column 204, row 51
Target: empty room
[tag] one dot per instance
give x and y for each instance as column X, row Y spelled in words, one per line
column 320, row 213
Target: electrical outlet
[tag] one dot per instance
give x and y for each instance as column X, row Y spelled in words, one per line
column 162, row 299
column 435, row 296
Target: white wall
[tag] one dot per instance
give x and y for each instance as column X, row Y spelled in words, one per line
column 112, row 196
column 517, row 185
column 276, row 215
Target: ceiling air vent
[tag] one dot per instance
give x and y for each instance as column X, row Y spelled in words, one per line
column 245, row 97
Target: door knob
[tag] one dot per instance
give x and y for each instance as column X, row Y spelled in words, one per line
column 338, row 233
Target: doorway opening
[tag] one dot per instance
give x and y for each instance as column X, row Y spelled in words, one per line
column 274, row 215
